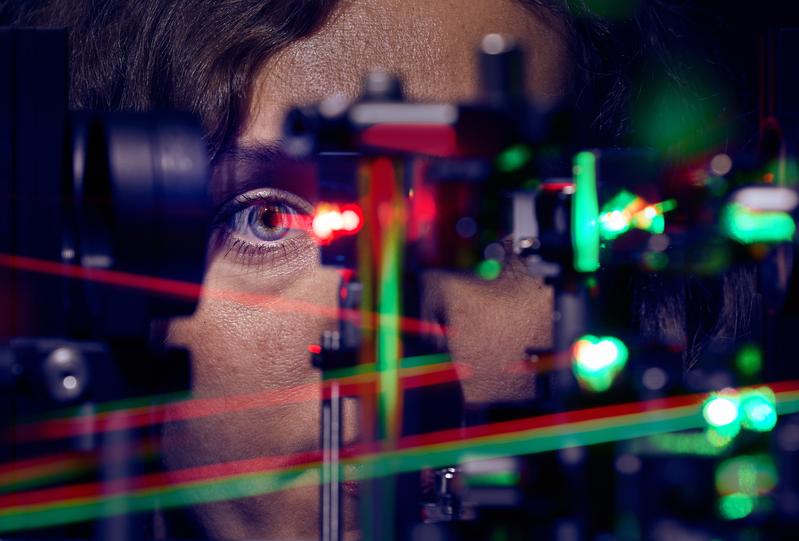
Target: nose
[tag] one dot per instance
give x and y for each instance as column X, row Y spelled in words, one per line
column 489, row 326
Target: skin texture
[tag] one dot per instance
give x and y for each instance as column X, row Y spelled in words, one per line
column 259, row 345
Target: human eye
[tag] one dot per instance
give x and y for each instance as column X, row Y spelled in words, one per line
column 262, row 226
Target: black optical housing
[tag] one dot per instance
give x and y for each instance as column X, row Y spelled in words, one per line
column 104, row 221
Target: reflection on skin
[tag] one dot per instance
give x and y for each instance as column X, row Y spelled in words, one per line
column 240, row 349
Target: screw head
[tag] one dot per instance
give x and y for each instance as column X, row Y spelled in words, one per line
column 66, row 374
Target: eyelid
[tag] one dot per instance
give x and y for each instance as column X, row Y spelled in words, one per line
column 262, row 195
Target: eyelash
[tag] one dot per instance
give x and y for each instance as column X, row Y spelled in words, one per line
column 237, row 214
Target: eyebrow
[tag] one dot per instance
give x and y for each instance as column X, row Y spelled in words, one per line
column 238, row 170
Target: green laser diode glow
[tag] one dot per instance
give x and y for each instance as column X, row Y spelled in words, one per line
column 752, row 475
column 625, row 211
column 721, row 412
column 718, row 440
column 747, row 226
column 759, row 409
column 514, row 158
column 654, row 214
column 597, row 361
column 613, row 223
column 742, row 482
column 736, row 506
column 489, row 269
column 585, row 213
column 749, row 360
column 615, row 218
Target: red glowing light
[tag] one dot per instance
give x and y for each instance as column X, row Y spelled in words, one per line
column 350, row 220
column 557, row 186
column 331, row 221
column 316, row 349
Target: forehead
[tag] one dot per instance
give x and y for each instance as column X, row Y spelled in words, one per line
column 430, row 44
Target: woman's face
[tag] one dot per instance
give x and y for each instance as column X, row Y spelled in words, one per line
column 268, row 297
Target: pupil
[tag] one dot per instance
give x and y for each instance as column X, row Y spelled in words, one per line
column 270, row 218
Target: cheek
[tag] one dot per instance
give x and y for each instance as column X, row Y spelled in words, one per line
column 248, row 341
column 490, row 325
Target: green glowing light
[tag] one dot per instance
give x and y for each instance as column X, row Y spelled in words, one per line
column 726, row 412
column 747, row 226
column 615, row 218
column 514, row 158
column 489, row 269
column 721, row 412
column 759, row 409
column 751, row 475
column 585, row 212
column 694, row 443
column 666, row 206
column 625, row 211
column 651, row 218
column 657, row 225
column 736, row 506
column 749, row 360
column 613, row 224
column 715, row 437
column 597, row 361
column 492, row 479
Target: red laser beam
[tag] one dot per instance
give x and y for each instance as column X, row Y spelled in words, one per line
column 41, row 468
column 204, row 407
column 164, row 286
column 158, row 480
column 270, row 463
column 188, row 290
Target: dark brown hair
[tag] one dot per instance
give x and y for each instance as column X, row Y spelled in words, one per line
column 192, row 55
column 202, row 55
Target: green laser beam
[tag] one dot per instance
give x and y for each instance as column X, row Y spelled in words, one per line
column 523, row 442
